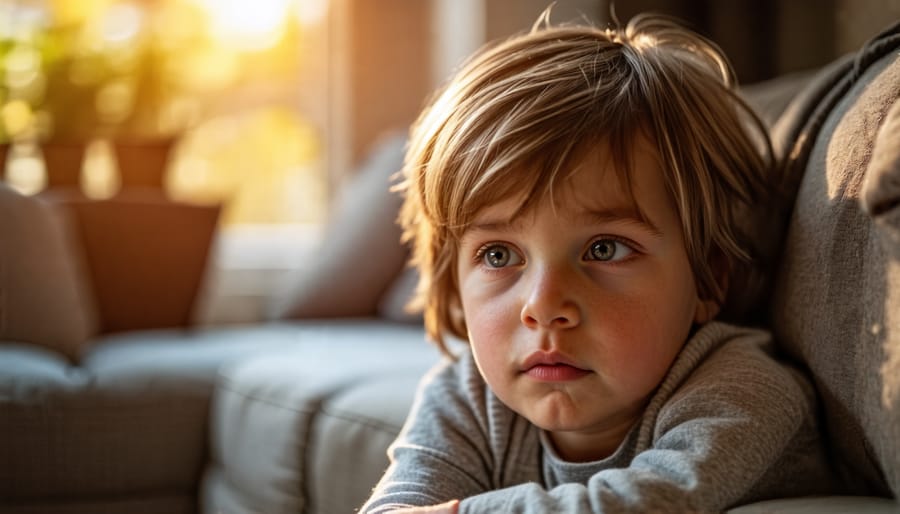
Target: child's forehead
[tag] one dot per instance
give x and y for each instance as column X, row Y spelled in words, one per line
column 592, row 187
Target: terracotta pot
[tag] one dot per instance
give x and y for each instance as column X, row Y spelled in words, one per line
column 143, row 163
column 63, row 161
column 4, row 155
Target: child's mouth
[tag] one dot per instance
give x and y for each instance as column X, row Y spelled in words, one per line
column 552, row 366
column 556, row 372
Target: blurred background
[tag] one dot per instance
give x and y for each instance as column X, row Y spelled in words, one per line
column 270, row 105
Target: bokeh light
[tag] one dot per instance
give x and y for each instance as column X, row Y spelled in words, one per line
column 248, row 27
column 17, row 117
column 224, row 76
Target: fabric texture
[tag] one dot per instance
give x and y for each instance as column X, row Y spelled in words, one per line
column 728, row 425
column 881, row 187
column 290, row 427
column 361, row 253
column 44, row 295
column 837, row 296
column 821, row 505
column 131, row 420
column 361, row 421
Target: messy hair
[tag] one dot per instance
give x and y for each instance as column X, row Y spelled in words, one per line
column 520, row 113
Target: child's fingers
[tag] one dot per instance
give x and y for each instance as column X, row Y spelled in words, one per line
column 444, row 508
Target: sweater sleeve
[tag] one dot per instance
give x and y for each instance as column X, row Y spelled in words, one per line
column 738, row 427
column 448, row 448
column 729, row 425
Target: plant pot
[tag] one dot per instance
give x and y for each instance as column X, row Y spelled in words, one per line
column 63, row 161
column 4, row 155
column 143, row 163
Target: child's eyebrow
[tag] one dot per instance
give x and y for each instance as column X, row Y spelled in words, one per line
column 626, row 215
column 621, row 215
column 492, row 226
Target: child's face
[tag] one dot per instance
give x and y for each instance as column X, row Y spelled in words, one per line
column 575, row 315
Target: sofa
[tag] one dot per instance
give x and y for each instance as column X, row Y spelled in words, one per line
column 295, row 414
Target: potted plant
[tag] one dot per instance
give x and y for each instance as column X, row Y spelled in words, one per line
column 16, row 97
column 102, row 85
column 4, row 142
column 142, row 141
column 66, row 115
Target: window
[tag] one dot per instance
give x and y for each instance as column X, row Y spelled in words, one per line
column 274, row 102
column 243, row 92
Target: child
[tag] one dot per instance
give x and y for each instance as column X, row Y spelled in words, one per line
column 578, row 202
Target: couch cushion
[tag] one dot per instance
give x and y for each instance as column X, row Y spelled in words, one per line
column 44, row 295
column 837, row 298
column 361, row 421
column 269, row 437
column 132, row 419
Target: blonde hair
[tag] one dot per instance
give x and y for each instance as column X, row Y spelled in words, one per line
column 518, row 114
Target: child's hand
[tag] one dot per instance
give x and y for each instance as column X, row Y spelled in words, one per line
column 444, row 508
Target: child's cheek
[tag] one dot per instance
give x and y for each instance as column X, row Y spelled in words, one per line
column 490, row 322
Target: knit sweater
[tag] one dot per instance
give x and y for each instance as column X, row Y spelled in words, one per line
column 728, row 425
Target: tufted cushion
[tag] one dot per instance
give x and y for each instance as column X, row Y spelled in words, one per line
column 837, row 295
column 307, row 429
column 44, row 298
column 362, row 420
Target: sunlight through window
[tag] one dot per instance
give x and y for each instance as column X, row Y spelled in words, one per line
column 256, row 28
column 240, row 88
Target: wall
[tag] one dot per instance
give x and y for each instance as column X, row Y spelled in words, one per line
column 389, row 55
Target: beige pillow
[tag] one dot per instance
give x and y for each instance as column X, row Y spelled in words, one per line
column 44, row 294
column 361, row 254
column 837, row 298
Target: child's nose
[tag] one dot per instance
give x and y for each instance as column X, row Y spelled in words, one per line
column 550, row 302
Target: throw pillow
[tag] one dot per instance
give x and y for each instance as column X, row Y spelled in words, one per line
column 360, row 255
column 44, row 293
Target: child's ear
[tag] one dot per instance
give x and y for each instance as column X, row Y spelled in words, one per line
column 709, row 308
column 706, row 310
column 457, row 318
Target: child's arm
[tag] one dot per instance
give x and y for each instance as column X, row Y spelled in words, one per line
column 451, row 447
column 736, row 427
column 445, row 508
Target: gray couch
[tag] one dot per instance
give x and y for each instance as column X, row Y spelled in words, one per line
column 295, row 415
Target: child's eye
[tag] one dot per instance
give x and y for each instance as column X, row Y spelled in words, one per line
column 607, row 249
column 498, row 256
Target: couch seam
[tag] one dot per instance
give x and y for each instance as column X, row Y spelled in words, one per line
column 361, row 419
column 272, row 403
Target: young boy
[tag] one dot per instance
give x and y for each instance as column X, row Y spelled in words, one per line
column 579, row 203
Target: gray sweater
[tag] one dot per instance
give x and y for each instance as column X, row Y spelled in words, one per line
column 728, row 425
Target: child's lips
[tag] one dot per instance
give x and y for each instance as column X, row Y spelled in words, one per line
column 552, row 367
column 556, row 372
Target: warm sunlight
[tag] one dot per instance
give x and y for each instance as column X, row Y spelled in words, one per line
column 237, row 84
column 248, row 26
